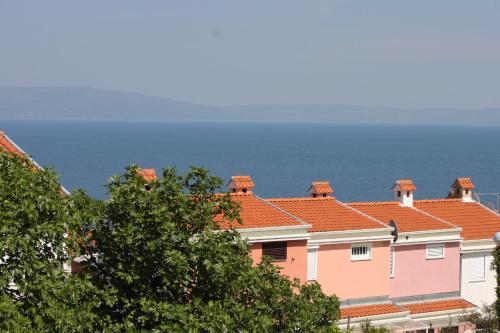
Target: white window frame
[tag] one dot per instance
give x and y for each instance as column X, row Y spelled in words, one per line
column 312, row 267
column 392, row 262
column 368, row 256
column 480, row 279
column 429, row 246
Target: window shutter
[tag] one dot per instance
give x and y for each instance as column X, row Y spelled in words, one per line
column 391, row 264
column 435, row 250
column 477, row 268
column 361, row 252
column 275, row 250
column 312, row 264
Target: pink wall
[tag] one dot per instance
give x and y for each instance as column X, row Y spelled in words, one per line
column 338, row 275
column 416, row 275
column 295, row 265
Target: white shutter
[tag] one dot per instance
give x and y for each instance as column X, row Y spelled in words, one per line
column 391, row 263
column 435, row 251
column 312, row 264
column 477, row 268
column 361, row 252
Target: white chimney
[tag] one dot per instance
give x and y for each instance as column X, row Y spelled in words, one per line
column 403, row 191
column 462, row 189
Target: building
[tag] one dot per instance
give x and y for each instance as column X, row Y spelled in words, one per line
column 479, row 224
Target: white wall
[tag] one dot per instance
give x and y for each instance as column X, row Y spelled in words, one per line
column 479, row 291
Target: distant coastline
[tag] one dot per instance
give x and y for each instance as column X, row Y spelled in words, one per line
column 84, row 103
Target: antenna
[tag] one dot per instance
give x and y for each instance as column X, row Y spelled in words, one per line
column 394, row 231
column 490, row 204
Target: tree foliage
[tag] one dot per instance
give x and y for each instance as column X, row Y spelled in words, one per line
column 485, row 320
column 155, row 260
column 35, row 293
column 165, row 264
column 496, row 266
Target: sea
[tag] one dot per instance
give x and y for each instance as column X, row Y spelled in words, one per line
column 361, row 162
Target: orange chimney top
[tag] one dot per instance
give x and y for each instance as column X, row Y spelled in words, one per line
column 464, row 183
column 147, row 174
column 405, row 185
column 240, row 184
column 320, row 189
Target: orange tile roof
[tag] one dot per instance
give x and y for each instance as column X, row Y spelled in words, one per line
column 257, row 213
column 243, row 182
column 407, row 219
column 434, row 306
column 477, row 221
column 405, row 185
column 147, row 174
column 321, row 187
column 369, row 310
column 7, row 145
column 326, row 214
column 464, row 183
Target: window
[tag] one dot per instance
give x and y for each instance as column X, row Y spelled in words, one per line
column 275, row 250
column 391, row 264
column 435, row 251
column 477, row 268
column 361, row 252
column 408, row 193
column 399, row 194
column 312, row 264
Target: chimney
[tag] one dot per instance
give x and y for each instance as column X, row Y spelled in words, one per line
column 462, row 189
column 320, row 189
column 403, row 191
column 148, row 174
column 240, row 184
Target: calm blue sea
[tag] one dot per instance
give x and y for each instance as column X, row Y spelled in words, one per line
column 360, row 161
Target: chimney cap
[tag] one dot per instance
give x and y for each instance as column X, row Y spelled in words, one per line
column 405, row 185
column 464, row 183
column 147, row 174
column 320, row 187
column 240, row 183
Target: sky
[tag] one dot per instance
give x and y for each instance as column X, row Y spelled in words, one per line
column 424, row 53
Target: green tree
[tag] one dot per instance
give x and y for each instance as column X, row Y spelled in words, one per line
column 163, row 264
column 35, row 292
column 485, row 320
column 496, row 266
column 367, row 327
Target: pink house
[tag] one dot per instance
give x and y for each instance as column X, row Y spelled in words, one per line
column 425, row 256
column 270, row 230
column 345, row 245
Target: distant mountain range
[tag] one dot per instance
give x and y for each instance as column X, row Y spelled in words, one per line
column 91, row 103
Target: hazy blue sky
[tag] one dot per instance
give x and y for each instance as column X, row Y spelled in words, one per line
column 394, row 53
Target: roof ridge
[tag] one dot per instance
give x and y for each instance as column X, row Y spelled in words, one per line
column 487, row 208
column 283, row 211
column 436, row 218
column 372, row 203
column 364, row 214
column 20, row 150
column 303, row 199
column 438, row 200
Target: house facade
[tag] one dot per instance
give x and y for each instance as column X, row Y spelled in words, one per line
column 421, row 260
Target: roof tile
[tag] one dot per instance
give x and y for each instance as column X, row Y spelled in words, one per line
column 434, row 306
column 326, row 214
column 477, row 221
column 257, row 213
column 407, row 219
column 369, row 310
